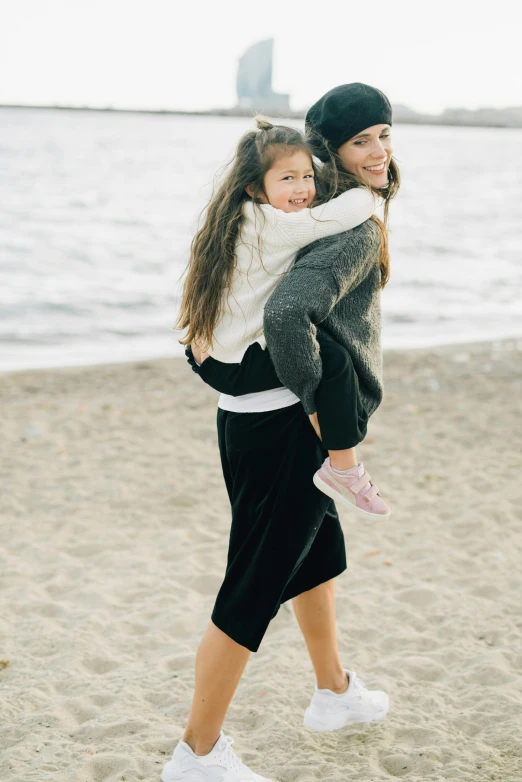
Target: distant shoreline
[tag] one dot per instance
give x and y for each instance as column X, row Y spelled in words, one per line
column 483, row 118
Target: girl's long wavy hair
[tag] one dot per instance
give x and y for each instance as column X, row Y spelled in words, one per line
column 333, row 179
column 213, row 249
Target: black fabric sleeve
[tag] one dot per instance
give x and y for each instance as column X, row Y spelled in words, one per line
column 255, row 372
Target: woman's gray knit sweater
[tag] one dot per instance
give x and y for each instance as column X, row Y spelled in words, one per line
column 335, row 283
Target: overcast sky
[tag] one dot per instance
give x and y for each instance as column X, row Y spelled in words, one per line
column 183, row 54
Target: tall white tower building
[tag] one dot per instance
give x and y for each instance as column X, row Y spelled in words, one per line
column 254, row 81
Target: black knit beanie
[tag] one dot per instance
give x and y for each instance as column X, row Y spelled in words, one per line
column 342, row 113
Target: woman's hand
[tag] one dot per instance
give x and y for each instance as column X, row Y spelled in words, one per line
column 198, row 354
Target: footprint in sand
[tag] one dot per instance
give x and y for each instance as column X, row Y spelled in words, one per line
column 404, row 765
column 127, row 627
column 417, row 596
column 101, row 699
column 488, row 591
column 100, row 665
column 109, row 765
column 76, row 711
column 423, row 669
column 100, row 733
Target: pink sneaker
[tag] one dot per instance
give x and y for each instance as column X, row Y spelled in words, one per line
column 354, row 490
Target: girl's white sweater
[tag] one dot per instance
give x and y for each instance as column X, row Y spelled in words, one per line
column 266, row 249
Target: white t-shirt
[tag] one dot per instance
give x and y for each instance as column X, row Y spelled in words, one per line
column 259, row 402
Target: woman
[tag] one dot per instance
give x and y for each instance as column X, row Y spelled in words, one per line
column 286, row 541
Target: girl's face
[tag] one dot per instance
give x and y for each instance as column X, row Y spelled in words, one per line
column 289, row 184
column 368, row 155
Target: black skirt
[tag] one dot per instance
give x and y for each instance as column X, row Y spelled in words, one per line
column 285, row 537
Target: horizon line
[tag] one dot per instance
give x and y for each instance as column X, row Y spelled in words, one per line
column 405, row 117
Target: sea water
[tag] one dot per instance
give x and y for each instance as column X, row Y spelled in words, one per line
column 98, row 210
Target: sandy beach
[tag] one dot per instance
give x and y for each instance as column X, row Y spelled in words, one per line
column 114, row 524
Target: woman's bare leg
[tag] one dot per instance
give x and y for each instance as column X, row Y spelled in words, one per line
column 315, row 612
column 340, row 460
column 220, row 663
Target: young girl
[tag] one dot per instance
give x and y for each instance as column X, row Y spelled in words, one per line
column 256, row 224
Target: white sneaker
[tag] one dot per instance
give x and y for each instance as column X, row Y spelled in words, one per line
column 220, row 765
column 330, row 711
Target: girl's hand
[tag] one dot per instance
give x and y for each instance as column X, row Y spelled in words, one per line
column 198, row 354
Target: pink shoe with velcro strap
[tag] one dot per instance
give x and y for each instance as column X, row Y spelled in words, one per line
column 354, row 490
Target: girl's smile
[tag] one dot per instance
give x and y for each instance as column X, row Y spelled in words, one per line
column 289, row 183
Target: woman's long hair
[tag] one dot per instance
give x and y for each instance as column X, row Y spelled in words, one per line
column 213, row 249
column 333, row 179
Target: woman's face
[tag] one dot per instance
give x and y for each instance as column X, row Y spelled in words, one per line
column 368, row 154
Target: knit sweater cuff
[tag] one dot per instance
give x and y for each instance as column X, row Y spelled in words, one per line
column 308, row 402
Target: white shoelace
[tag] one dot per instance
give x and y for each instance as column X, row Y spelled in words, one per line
column 358, row 684
column 229, row 756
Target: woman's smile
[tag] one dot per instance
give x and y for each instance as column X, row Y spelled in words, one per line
column 376, row 169
column 368, row 154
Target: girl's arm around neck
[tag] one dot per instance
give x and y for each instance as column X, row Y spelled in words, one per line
column 340, row 214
